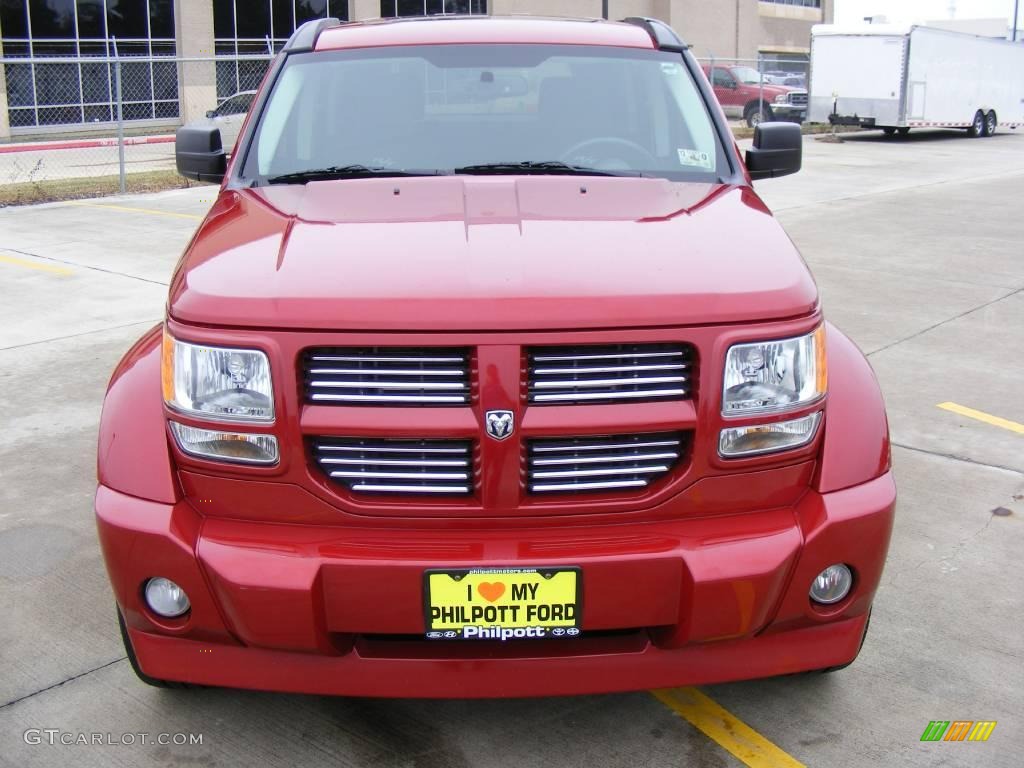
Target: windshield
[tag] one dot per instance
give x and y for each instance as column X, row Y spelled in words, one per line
column 747, row 75
column 484, row 109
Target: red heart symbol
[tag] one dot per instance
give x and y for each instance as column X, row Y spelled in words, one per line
column 490, row 591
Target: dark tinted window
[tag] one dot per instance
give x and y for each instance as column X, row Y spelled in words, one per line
column 53, row 18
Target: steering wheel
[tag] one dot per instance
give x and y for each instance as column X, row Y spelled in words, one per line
column 578, row 154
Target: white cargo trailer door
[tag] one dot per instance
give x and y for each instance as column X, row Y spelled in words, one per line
column 857, row 75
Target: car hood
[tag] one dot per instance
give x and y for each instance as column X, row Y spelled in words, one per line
column 489, row 253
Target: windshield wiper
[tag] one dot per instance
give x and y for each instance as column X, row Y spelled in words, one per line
column 347, row 172
column 541, row 167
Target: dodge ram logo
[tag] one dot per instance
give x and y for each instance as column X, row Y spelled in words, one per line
column 500, row 424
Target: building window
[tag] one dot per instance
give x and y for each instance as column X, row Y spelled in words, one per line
column 393, row 8
column 256, row 28
column 80, row 91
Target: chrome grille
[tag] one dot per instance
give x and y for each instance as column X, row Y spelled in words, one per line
column 608, row 374
column 372, row 465
column 620, row 462
column 387, row 376
column 798, row 98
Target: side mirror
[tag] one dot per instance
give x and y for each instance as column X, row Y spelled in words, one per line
column 778, row 151
column 199, row 153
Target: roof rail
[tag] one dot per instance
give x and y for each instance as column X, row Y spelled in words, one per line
column 661, row 33
column 304, row 38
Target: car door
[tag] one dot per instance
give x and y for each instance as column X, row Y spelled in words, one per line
column 727, row 91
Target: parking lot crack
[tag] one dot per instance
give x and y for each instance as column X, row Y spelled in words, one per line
column 12, row 702
column 954, row 457
column 948, row 320
column 83, row 266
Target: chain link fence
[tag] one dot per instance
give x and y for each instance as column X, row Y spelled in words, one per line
column 115, row 116
column 769, row 87
column 101, row 116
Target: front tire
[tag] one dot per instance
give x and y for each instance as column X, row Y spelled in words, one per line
column 991, row 123
column 977, row 129
column 755, row 115
column 134, row 661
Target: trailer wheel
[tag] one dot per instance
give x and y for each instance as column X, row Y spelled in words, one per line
column 755, row 115
column 889, row 131
column 977, row 128
column 904, row 132
column 991, row 123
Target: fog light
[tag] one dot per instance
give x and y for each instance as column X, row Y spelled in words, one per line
column 831, row 585
column 165, row 598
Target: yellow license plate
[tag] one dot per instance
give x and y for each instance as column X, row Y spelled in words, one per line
column 502, row 603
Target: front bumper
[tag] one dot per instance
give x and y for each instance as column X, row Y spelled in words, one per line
column 325, row 610
column 789, row 112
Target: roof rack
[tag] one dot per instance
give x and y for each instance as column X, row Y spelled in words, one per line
column 661, row 33
column 304, row 38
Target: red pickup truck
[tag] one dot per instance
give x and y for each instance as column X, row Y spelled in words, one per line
column 512, row 388
column 744, row 93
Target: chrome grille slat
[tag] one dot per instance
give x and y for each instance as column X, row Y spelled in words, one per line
column 391, row 372
column 396, row 466
column 600, row 472
column 609, row 373
column 610, row 369
column 423, row 385
column 601, row 463
column 605, row 446
column 397, row 462
column 606, row 485
column 564, row 383
column 609, row 395
column 385, row 398
column 604, row 459
column 391, row 376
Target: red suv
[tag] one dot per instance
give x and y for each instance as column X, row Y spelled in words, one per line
column 489, row 374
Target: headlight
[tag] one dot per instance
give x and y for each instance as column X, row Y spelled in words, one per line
column 215, row 382
column 782, row 98
column 775, row 375
column 737, row 442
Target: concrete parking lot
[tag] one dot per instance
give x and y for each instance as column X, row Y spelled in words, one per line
column 918, row 248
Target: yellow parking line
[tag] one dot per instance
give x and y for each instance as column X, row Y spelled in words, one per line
column 151, row 211
column 746, row 745
column 995, row 421
column 51, row 268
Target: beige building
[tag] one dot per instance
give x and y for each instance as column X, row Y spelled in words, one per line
column 38, row 98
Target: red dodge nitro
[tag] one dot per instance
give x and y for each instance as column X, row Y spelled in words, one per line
column 489, row 374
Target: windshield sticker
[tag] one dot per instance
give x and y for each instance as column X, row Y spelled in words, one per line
column 669, row 68
column 694, row 159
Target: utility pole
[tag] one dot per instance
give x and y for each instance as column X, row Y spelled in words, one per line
column 604, row 9
column 1016, row 7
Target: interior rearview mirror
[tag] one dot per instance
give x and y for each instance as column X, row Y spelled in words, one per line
column 199, row 153
column 777, row 151
column 211, row 113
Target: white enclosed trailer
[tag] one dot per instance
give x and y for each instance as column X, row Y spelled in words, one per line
column 898, row 78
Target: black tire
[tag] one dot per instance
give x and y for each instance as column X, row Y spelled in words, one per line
column 889, row 131
column 977, row 129
column 903, row 132
column 134, row 661
column 755, row 116
column 991, row 123
column 829, row 670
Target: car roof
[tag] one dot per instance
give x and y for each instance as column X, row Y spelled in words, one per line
column 441, row 30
